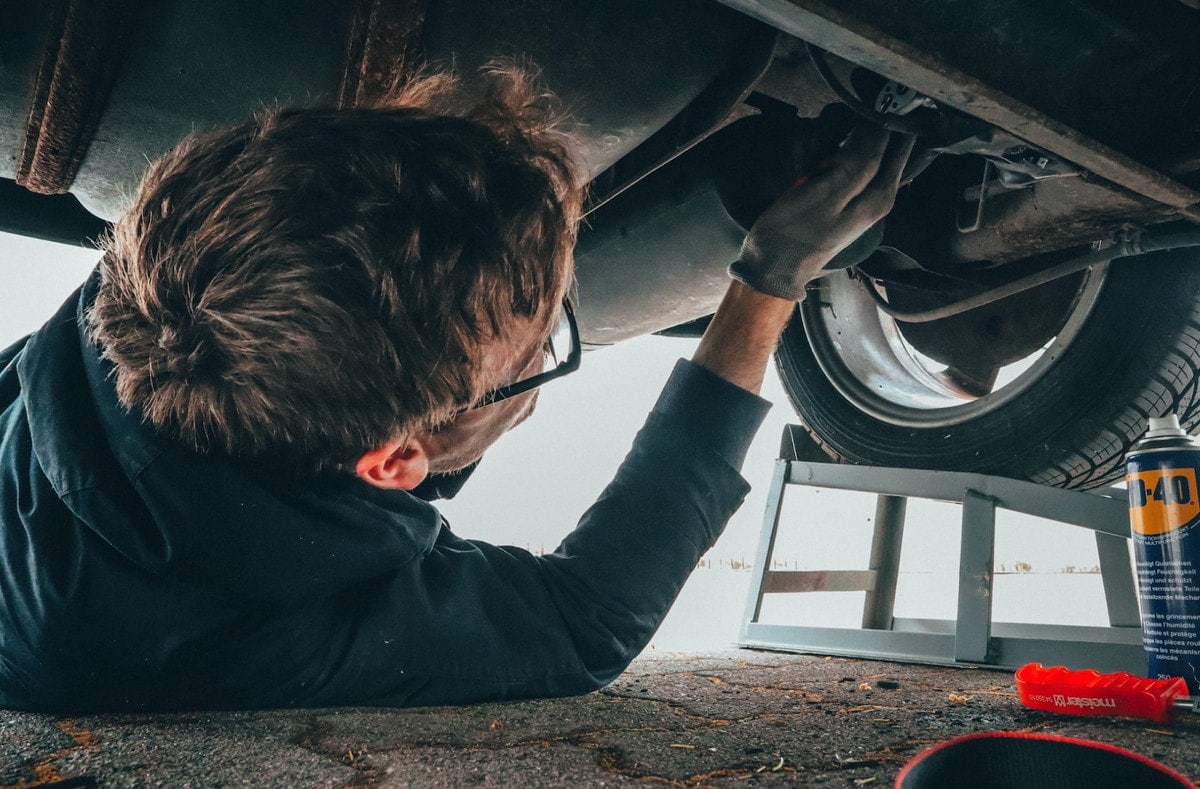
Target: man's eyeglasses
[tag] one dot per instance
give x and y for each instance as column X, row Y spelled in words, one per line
column 561, row 354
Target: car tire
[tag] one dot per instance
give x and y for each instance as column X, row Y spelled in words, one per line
column 1135, row 354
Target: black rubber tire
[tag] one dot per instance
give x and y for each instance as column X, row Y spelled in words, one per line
column 1136, row 356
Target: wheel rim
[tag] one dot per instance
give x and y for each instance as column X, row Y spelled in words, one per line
column 863, row 353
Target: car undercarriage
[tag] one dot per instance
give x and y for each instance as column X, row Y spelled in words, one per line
column 1031, row 299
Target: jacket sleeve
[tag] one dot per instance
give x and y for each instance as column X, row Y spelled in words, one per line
column 471, row 621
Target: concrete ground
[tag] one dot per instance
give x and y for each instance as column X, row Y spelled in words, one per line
column 730, row 719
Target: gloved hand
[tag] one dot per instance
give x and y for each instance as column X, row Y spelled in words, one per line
column 803, row 230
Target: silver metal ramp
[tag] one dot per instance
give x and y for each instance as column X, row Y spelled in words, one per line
column 972, row 638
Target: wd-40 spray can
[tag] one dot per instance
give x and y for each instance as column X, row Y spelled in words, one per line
column 1164, row 513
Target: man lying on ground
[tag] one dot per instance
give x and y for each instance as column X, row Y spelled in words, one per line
column 208, row 457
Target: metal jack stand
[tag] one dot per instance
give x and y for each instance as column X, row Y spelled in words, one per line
column 972, row 638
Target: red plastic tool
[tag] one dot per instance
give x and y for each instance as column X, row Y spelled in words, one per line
column 1088, row 692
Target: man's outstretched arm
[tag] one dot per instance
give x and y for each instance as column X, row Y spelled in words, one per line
column 789, row 246
column 472, row 621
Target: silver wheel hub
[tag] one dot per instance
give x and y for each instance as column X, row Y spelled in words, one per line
column 863, row 353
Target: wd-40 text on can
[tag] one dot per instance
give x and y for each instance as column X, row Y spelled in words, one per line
column 1164, row 513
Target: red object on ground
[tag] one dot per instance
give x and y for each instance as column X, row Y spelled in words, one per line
column 1088, row 692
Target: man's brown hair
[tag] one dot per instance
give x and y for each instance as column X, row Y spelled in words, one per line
column 313, row 283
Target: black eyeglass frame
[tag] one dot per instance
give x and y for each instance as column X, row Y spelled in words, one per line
column 565, row 367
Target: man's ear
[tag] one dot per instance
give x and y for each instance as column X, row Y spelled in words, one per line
column 397, row 465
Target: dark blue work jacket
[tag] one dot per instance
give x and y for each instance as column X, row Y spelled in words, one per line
column 136, row 574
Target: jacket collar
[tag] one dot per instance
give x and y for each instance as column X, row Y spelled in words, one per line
column 225, row 525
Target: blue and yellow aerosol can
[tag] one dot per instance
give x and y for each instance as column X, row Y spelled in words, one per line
column 1164, row 515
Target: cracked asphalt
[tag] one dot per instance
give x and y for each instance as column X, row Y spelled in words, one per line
column 736, row 718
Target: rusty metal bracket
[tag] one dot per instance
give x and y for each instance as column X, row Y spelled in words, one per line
column 384, row 46
column 84, row 49
column 836, row 28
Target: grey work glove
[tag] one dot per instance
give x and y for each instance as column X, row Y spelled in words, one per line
column 803, row 230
